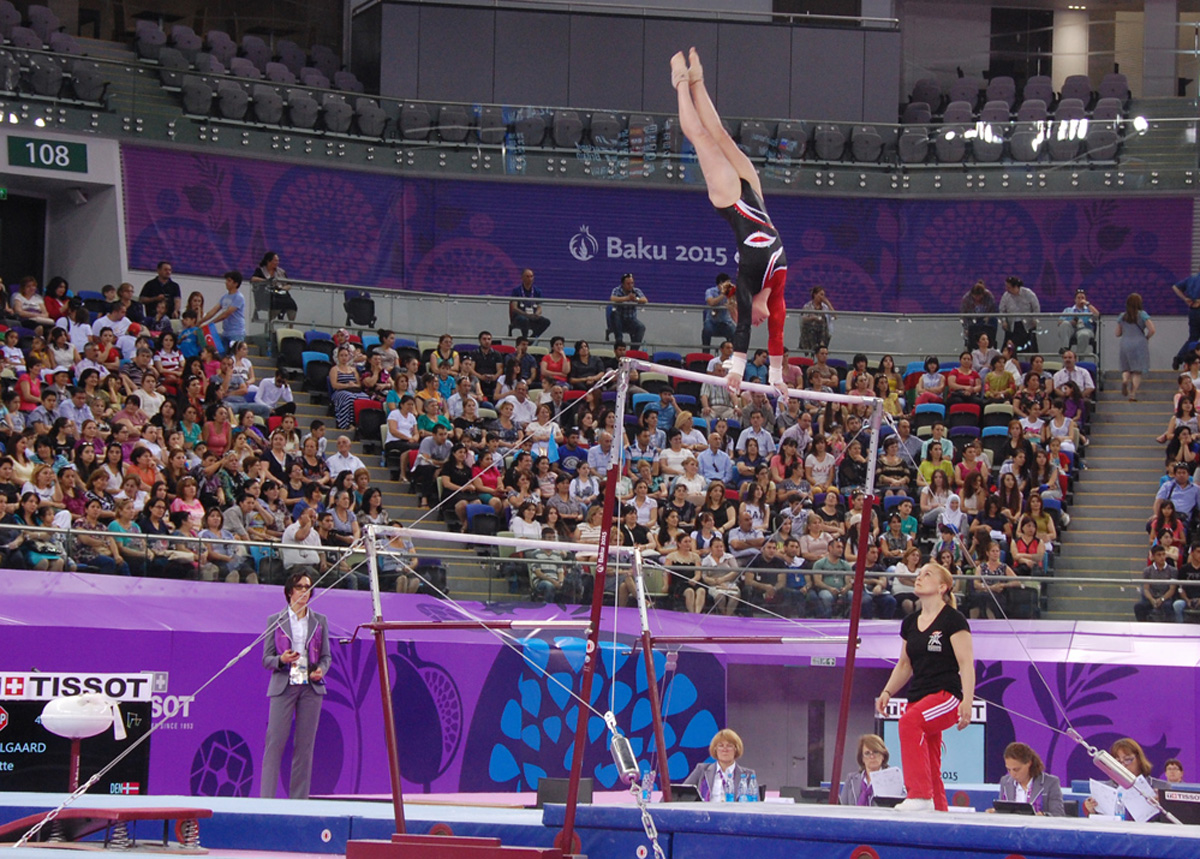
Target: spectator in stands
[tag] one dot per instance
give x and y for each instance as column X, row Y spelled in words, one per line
column 586, row 368
column 715, row 400
column 1157, row 596
column 1135, row 328
column 988, row 596
column 720, row 574
column 1077, row 325
column 978, row 307
column 1188, row 291
column 270, row 281
column 524, row 313
column 601, row 456
column 1072, row 372
column 524, row 408
column 766, row 577
column 29, row 306
column 965, row 385
column 816, row 321
column 1181, row 492
column 162, row 286
column 1020, row 299
column 1173, row 771
column 830, row 588
column 931, row 387
column 982, row 355
column 433, row 453
column 623, row 312
column 230, row 310
column 717, row 321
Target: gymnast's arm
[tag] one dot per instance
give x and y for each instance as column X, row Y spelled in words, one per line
column 901, row 674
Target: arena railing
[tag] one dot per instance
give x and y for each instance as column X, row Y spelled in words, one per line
column 1158, row 153
column 423, row 316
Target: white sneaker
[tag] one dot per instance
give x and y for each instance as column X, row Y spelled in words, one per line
column 915, row 805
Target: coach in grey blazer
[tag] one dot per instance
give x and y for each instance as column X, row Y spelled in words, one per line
column 1026, row 771
column 296, row 652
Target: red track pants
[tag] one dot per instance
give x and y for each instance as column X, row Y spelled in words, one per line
column 921, row 729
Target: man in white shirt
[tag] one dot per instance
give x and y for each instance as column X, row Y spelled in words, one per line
column 524, row 409
column 600, row 456
column 462, row 393
column 302, row 533
column 724, row 353
column 1072, row 372
column 343, row 460
column 119, row 323
column 745, row 541
column 766, row 444
column 89, row 362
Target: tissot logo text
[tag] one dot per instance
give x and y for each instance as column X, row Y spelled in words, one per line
column 43, row 687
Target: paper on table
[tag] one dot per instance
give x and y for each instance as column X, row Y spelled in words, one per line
column 1140, row 808
column 888, row 782
column 1105, row 796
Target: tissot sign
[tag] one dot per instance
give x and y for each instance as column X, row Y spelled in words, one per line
column 37, row 686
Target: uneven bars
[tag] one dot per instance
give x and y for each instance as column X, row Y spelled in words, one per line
column 723, row 382
column 492, row 540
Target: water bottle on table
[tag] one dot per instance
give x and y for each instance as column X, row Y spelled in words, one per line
column 752, row 787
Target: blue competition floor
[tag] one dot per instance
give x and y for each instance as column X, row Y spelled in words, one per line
column 687, row 831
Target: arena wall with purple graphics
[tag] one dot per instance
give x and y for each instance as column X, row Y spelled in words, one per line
column 212, row 213
column 476, row 716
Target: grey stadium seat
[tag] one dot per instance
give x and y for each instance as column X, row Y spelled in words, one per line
column 950, row 144
column 291, row 55
column 256, row 51
column 643, row 132
column 302, row 108
column 1063, row 144
column 267, row 105
column 1102, row 143
column 10, row 72
column 280, row 74
column 87, row 81
column 1039, row 87
column 336, row 112
column 232, row 101
column 568, row 129
column 958, row 112
column 347, row 81
column 754, row 139
column 606, row 130
column 185, row 40
column 1114, row 85
column 993, row 129
column 1027, row 142
column 415, row 121
column 25, row 38
column 1002, row 88
column 916, row 113
column 913, row 145
column 314, row 78
column 172, row 67
column 325, row 60
column 371, row 119
column 207, row 64
column 9, row 18
column 64, row 43
column 530, row 130
column 150, row 40
column 453, row 123
column 968, row 90
column 1077, row 86
column 829, row 142
column 45, row 76
column 241, row 67
column 492, row 127
column 221, row 46
column 791, row 139
column 929, row 91
column 1107, row 110
column 43, row 22
column 1032, row 110
column 866, row 144
column 197, row 95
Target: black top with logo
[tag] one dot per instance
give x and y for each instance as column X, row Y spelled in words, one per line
column 934, row 665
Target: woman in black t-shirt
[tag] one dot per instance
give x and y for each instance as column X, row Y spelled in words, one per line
column 938, row 657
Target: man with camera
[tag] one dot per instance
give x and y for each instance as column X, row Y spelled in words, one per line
column 717, row 320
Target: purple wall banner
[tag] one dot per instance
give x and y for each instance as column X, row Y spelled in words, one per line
column 476, row 715
column 210, row 213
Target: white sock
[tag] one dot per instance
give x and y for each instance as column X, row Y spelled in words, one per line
column 775, row 373
column 737, row 364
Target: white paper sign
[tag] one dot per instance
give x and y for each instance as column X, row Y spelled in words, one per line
column 1105, row 796
column 1139, row 808
column 888, row 782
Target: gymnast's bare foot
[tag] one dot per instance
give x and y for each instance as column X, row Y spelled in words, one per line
column 695, row 70
column 759, row 310
column 679, row 70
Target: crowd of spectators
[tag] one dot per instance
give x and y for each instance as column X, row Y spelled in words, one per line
column 128, row 421
column 745, row 501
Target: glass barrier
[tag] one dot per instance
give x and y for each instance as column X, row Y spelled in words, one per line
column 1152, row 147
column 422, row 317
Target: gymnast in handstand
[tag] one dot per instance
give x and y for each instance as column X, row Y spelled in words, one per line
column 736, row 192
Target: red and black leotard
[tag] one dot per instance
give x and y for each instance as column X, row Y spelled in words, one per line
column 762, row 264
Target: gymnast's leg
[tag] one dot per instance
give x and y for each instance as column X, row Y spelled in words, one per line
column 720, row 176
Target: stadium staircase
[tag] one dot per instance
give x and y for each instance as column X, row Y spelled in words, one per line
column 1113, row 499
column 468, row 576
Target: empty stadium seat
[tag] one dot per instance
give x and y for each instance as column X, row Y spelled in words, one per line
column 370, row 116
column 314, row 78
column 415, row 121
column 530, row 130
column 1002, row 88
column 244, row 68
column 173, row 65
column 256, row 51
column 754, row 138
column 791, row 140
column 606, row 131
column 913, row 145
column 492, row 127
column 966, row 89
column 928, row 91
column 280, row 74
column 197, row 95
column 184, row 39
column 829, row 142
column 567, row 129
column 64, row 43
column 865, row 144
column 453, row 122
column 1077, row 86
column 232, row 101
column 291, row 55
column 347, row 81
column 88, row 82
column 26, row 39
column 302, row 108
column 268, row 105
column 220, row 46
column 916, row 113
column 325, row 59
column 9, row 18
column 1039, row 87
column 336, row 112
column 45, row 76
